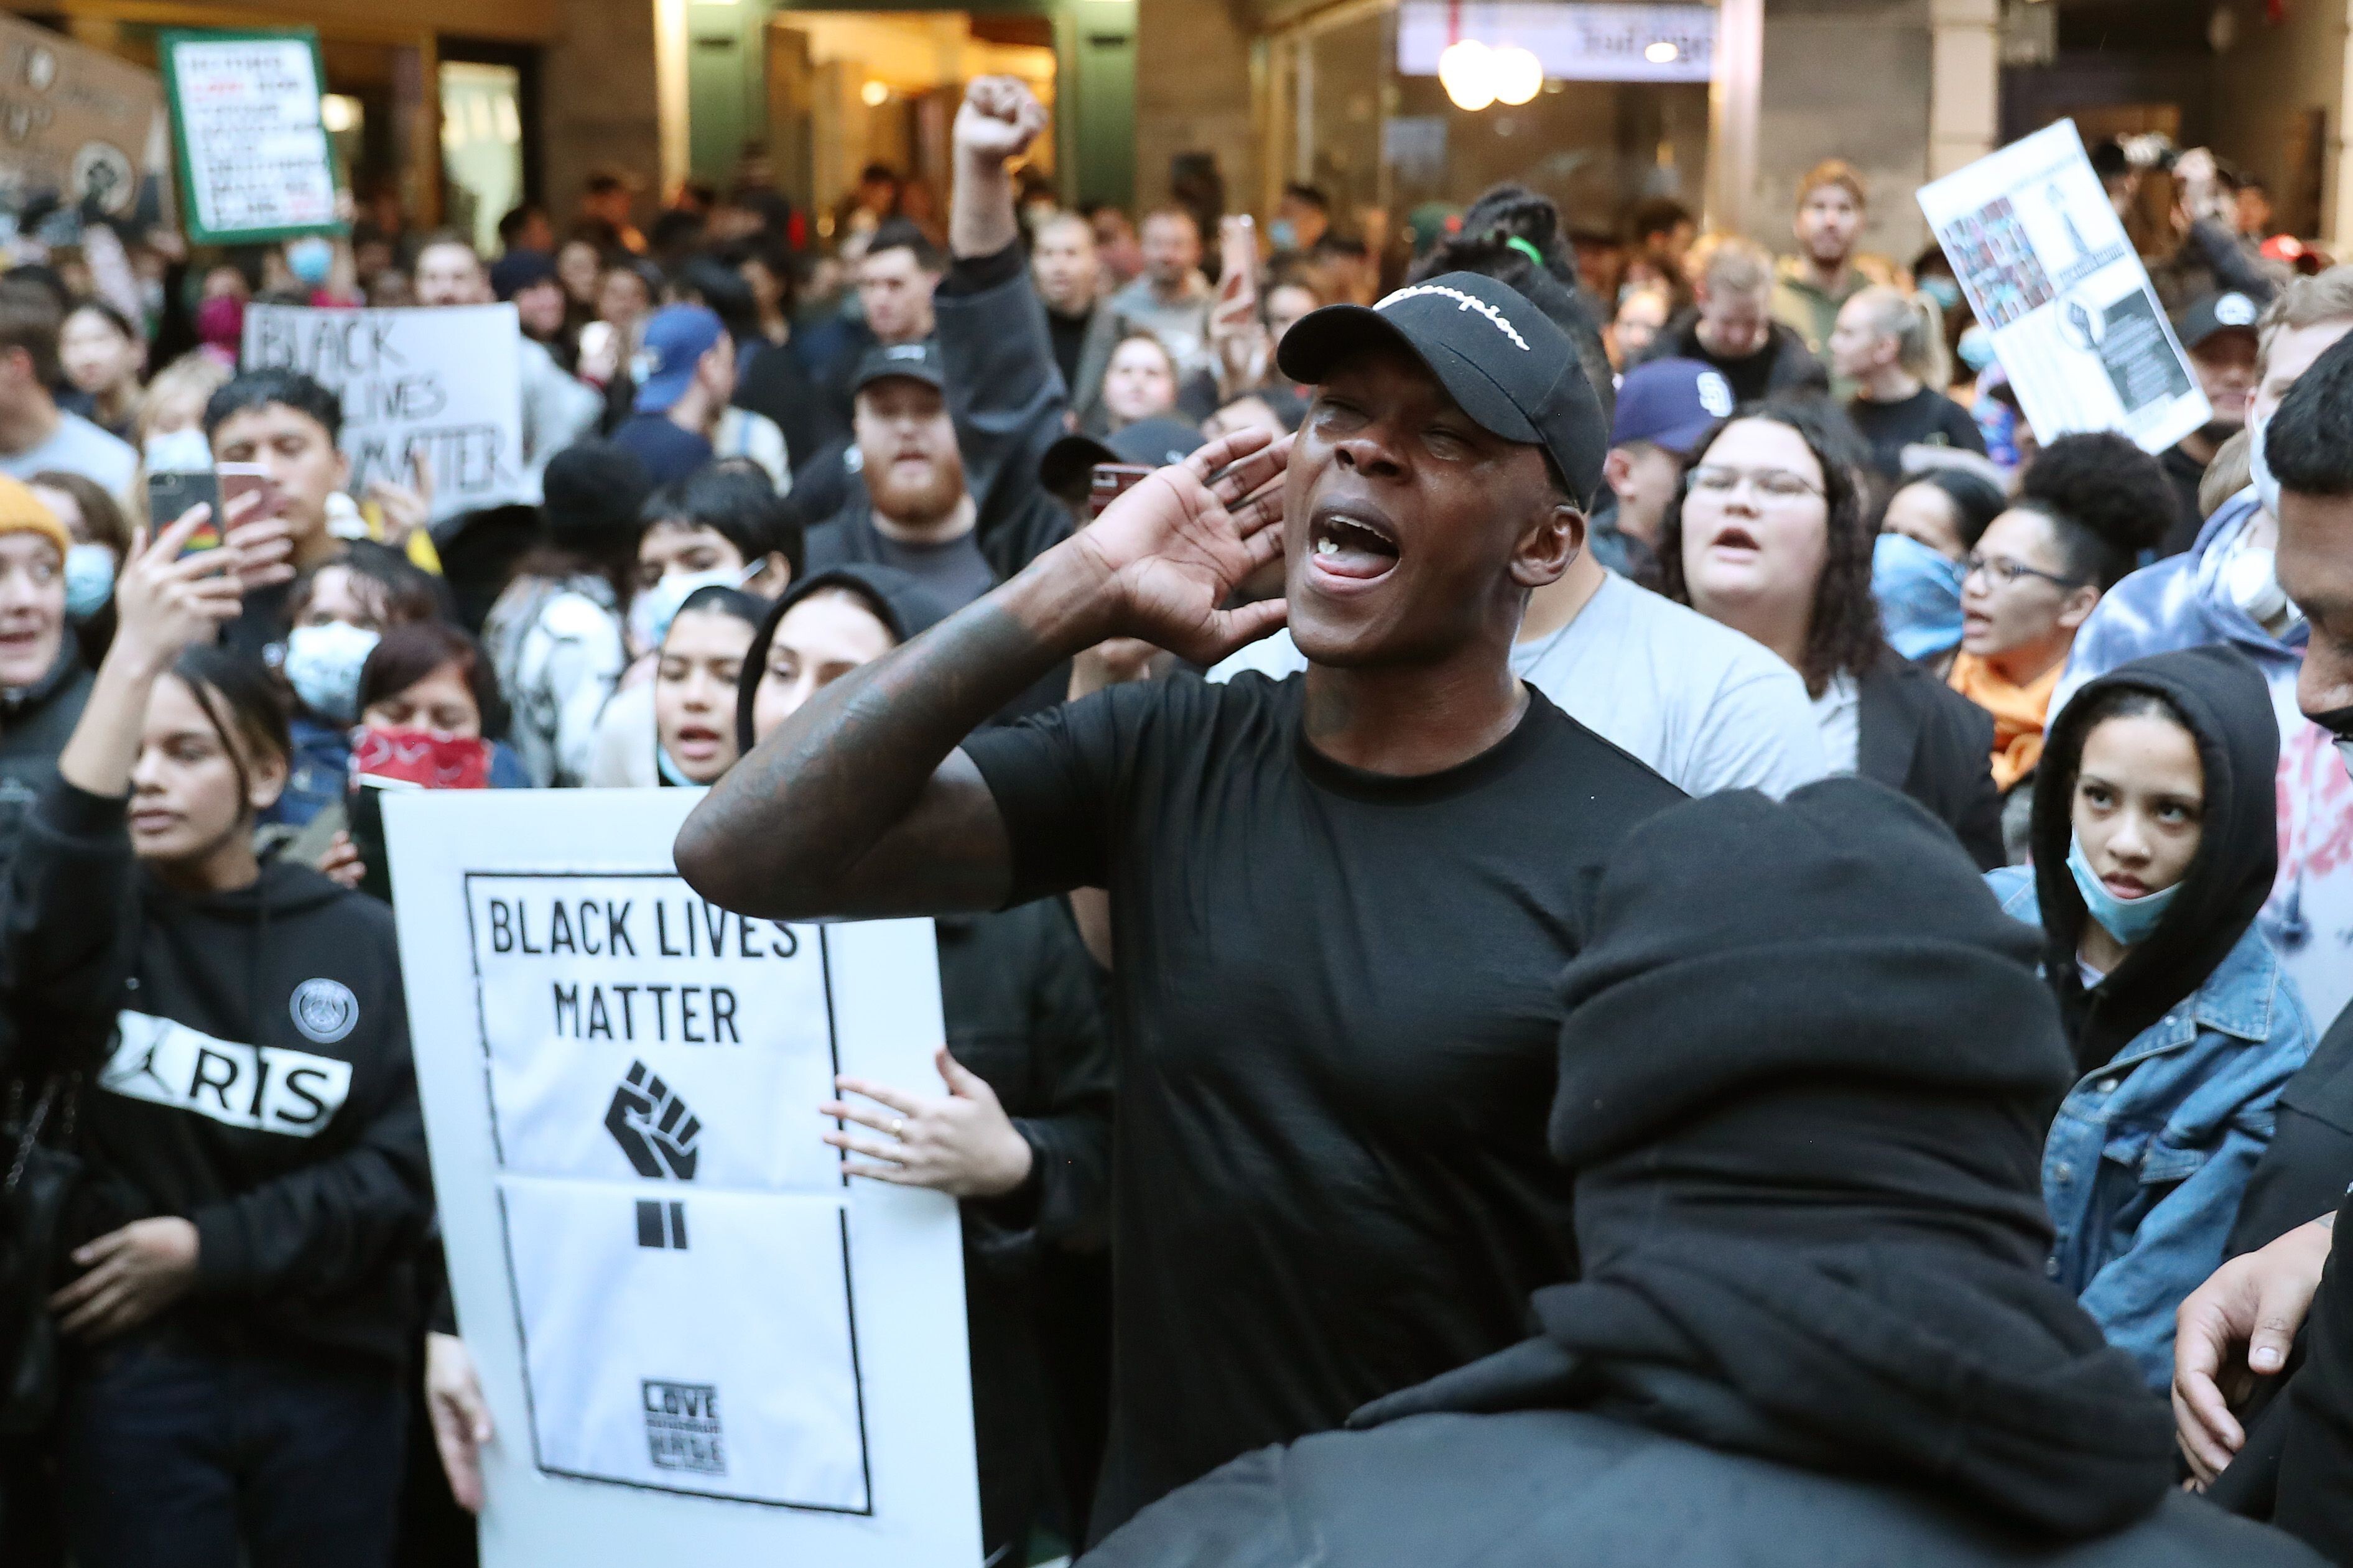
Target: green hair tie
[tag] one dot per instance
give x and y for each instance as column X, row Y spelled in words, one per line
column 1526, row 249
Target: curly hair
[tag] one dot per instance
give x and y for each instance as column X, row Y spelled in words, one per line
column 1509, row 212
column 2107, row 501
column 1843, row 636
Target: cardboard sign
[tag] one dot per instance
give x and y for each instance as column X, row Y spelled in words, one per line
column 699, row 1340
column 444, row 383
column 84, row 137
column 254, row 161
column 2046, row 264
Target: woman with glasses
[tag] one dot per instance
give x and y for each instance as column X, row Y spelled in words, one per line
column 1769, row 537
column 2086, row 508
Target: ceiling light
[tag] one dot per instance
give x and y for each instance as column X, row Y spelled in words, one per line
column 1466, row 71
column 1515, row 73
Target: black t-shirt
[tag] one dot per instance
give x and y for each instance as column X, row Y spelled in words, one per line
column 1337, row 1028
column 1927, row 419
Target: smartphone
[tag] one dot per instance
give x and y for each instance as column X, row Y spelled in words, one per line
column 1111, row 481
column 249, row 478
column 171, row 493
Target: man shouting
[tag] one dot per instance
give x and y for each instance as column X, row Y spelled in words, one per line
column 1340, row 900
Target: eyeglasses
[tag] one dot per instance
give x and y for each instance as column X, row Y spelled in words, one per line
column 2004, row 572
column 1772, row 484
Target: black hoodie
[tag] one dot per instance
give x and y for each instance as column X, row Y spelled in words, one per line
column 249, row 1070
column 1813, row 1326
column 2228, row 706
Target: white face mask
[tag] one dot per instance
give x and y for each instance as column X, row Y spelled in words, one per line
column 651, row 612
column 323, row 664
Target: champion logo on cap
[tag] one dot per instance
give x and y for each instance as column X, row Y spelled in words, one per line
column 1715, row 393
column 1464, row 301
column 903, row 351
column 2236, row 311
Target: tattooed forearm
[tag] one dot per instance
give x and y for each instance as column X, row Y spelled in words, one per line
column 859, row 804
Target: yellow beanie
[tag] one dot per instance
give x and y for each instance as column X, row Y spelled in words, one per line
column 21, row 510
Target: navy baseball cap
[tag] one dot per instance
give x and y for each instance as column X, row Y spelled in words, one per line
column 1500, row 358
column 1671, row 403
column 677, row 336
column 911, row 361
column 2214, row 314
column 1069, row 464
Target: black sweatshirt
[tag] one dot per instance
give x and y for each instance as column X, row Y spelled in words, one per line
column 250, row 1071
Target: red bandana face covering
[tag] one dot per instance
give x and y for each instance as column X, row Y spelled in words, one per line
column 426, row 761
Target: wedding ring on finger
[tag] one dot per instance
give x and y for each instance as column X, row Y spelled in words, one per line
column 899, row 1127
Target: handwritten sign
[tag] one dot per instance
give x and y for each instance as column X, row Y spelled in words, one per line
column 444, row 383
column 83, row 134
column 254, row 161
column 2048, row 269
column 699, row 1340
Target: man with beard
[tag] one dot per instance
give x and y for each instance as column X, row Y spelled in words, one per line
column 2218, row 333
column 1812, row 287
column 1338, row 901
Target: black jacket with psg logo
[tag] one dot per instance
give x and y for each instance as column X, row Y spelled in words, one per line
column 247, row 1068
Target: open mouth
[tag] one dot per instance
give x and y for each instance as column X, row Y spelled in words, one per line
column 1736, row 538
column 1351, row 544
column 695, row 742
column 2125, row 887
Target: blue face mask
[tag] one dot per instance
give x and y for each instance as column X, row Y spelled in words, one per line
column 1283, row 233
column 1944, row 290
column 322, row 665
column 1976, row 348
column 670, row 772
column 89, row 580
column 310, row 259
column 2129, row 921
column 1919, row 594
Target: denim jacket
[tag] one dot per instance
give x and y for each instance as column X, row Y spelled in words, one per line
column 2150, row 1153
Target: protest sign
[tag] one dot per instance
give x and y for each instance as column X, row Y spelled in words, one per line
column 2046, row 263
column 699, row 1342
column 85, row 135
column 254, row 161
column 446, row 383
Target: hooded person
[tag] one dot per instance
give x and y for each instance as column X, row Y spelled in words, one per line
column 2155, row 839
column 232, row 1039
column 43, row 679
column 1812, row 1325
column 1024, row 1015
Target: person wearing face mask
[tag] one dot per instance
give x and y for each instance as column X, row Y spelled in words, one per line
column 1769, row 538
column 2155, row 842
column 700, row 662
column 236, row 1301
column 429, row 715
column 1927, row 530
column 721, row 527
column 102, row 542
column 2227, row 588
column 340, row 610
column 2086, row 508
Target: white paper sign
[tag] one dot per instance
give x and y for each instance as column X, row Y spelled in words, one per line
column 699, row 1343
column 445, row 383
column 254, row 148
column 2045, row 263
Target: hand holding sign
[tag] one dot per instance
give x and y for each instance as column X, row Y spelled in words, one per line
column 964, row 1144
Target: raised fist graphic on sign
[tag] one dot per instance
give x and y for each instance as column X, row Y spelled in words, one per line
column 653, row 1126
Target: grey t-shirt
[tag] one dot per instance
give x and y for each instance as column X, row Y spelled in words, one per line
column 78, row 446
column 955, row 573
column 1707, row 708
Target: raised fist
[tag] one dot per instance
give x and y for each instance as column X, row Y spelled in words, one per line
column 653, row 1126
column 1000, row 118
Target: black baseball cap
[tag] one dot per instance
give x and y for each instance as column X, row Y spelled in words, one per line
column 1498, row 356
column 2213, row 314
column 1069, row 464
column 912, row 362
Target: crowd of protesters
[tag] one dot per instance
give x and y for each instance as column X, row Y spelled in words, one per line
column 1599, row 781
